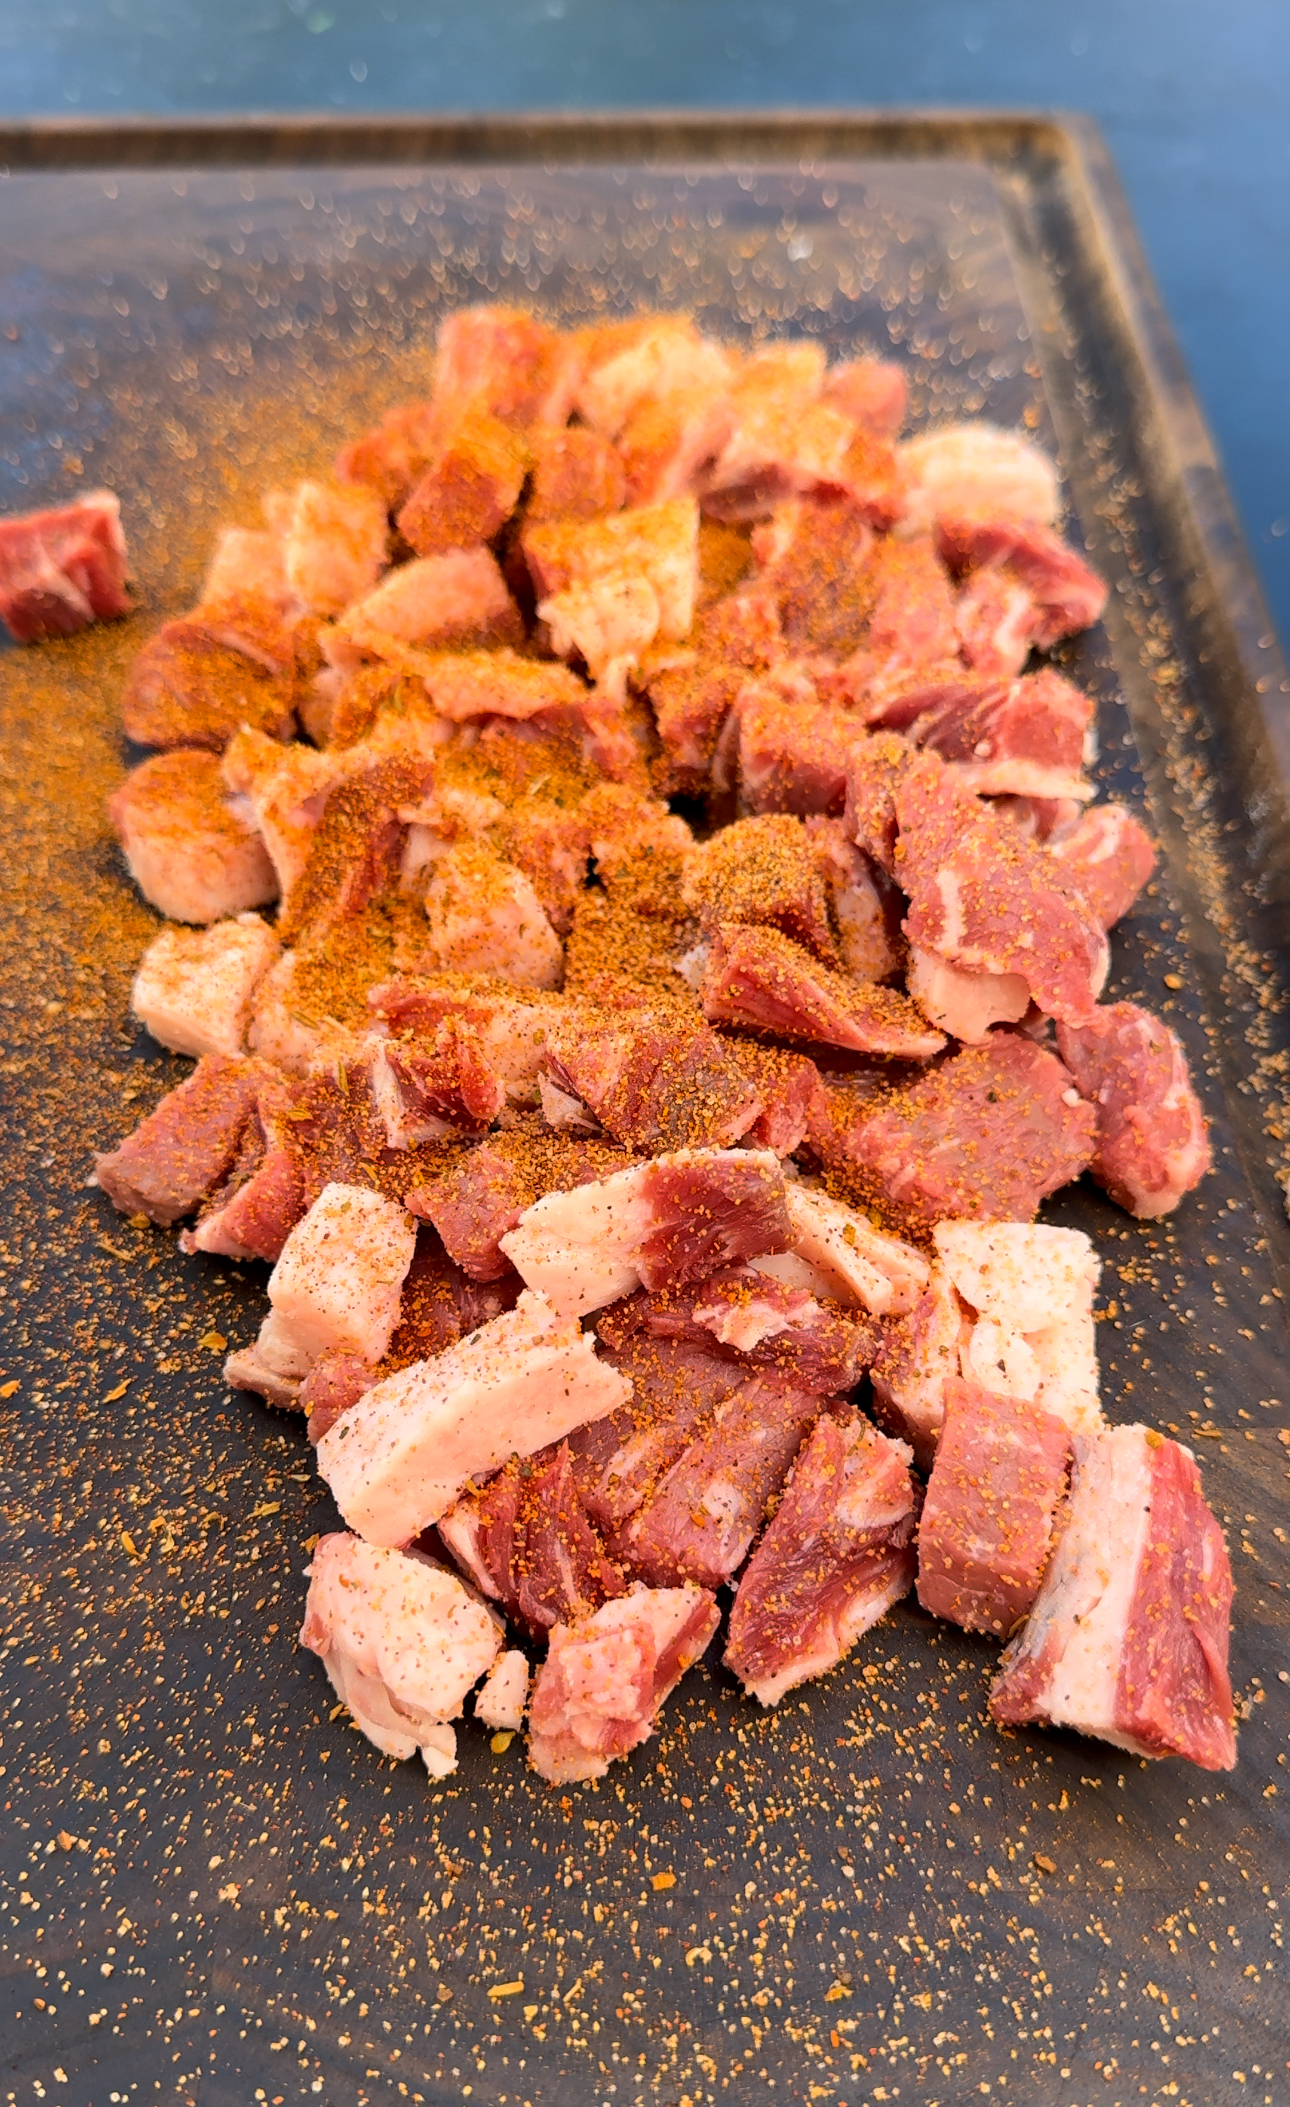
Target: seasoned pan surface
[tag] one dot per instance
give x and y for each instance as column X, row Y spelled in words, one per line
column 213, row 1890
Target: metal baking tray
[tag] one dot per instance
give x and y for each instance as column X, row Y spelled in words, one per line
column 215, row 1891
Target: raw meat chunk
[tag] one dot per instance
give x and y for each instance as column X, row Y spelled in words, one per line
column 984, row 1135
column 470, row 488
column 836, row 1554
column 865, row 907
column 975, row 472
column 659, row 1224
column 670, row 438
column 183, row 1150
column 966, row 1006
column 254, row 1210
column 1065, row 595
column 468, row 684
column 919, row 1355
column 485, row 917
column 1152, row 1143
column 195, row 684
column 284, row 791
column 1107, row 859
column 763, row 872
column 815, row 557
column 856, row 1263
column 436, row 603
column 503, row 1694
column 769, row 1323
column 653, row 544
column 658, row 355
column 63, row 569
column 355, row 848
column 607, row 623
column 996, row 619
column 577, row 474
column 871, row 391
column 507, row 362
column 910, row 644
column 758, row 978
column 338, row 1281
column 402, row 1642
column 423, row 1092
column 654, row 1081
column 391, row 455
column 336, row 1382
column 1028, row 739
column 983, row 898
column 512, row 1023
column 789, row 1087
column 787, row 442
column 676, row 1385
column 1028, row 1297
column 989, row 1518
column 1128, row 1638
column 701, row 1517
column 404, row 1454
column 600, row 1689
column 794, row 752
column 193, row 990
column 478, row 1198
column 526, row 1542
column 335, row 544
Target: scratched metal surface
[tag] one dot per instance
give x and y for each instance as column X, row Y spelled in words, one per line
column 213, row 1890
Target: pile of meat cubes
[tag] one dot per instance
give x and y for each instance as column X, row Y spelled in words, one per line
column 638, row 904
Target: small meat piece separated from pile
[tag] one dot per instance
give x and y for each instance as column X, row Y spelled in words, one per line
column 635, row 894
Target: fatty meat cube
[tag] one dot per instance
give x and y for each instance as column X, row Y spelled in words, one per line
column 862, row 1266
column 403, row 1455
column 402, row 1641
column 600, row 1689
column 871, row 391
column 469, row 489
column 964, row 1005
column 579, row 1248
column 608, row 623
column 336, row 544
column 577, row 474
column 503, row 1694
column 659, row 543
column 193, row 989
column 466, row 684
column 1032, row 1290
column 439, row 603
column 190, row 850
column 976, row 471
column 667, row 354
column 338, row 1281
column 283, row 790
column 485, row 917
column 1128, row 1639
column 247, row 564
column 503, row 360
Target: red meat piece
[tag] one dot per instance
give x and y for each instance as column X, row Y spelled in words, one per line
column 185, row 1148
column 757, row 978
column 709, row 1213
column 332, row 1387
column 393, row 455
column 654, row 1082
column 1065, row 594
column 1107, row 858
column 820, row 572
column 1027, row 739
column 676, row 1387
column 194, row 685
column 765, row 1323
column 482, row 1194
column 989, row 1517
column 790, row 1090
column 355, row 849
column 426, row 1090
column 983, row 1136
column 764, row 872
column 577, row 474
column 703, row 1515
column 984, row 898
column 793, row 752
column 527, row 1542
column 64, row 569
column 507, row 362
column 470, row 488
column 598, row 1692
column 1129, row 1636
column 836, row 1554
column 1152, row 1144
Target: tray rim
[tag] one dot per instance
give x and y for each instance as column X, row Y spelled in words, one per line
column 1069, row 142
